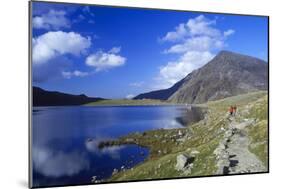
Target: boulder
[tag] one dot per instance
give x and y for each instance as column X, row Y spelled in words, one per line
column 114, row 171
column 183, row 162
column 130, row 140
column 194, row 152
column 180, row 133
column 94, row 179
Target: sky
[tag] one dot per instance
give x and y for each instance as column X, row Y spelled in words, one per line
column 121, row 52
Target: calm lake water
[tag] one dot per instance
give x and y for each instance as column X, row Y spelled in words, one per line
column 62, row 153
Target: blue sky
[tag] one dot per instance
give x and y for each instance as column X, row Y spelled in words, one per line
column 120, row 52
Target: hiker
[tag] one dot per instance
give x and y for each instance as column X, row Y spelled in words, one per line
column 231, row 110
column 234, row 110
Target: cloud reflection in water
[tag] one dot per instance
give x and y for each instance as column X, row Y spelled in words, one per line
column 112, row 151
column 58, row 163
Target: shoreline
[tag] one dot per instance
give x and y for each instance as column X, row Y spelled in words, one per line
column 199, row 139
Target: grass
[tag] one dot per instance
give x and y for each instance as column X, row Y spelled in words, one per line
column 203, row 138
column 127, row 102
column 259, row 131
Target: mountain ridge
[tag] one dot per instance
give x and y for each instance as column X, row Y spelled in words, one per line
column 43, row 97
column 227, row 74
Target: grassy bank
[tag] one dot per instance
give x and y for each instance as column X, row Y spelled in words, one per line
column 199, row 140
column 128, row 102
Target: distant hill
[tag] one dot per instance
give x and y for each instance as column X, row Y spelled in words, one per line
column 163, row 94
column 42, row 97
column 227, row 74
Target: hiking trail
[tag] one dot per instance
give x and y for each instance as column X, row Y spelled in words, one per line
column 232, row 154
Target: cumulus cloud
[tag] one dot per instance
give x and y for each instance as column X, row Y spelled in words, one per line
column 49, row 50
column 115, row 50
column 195, row 43
column 228, row 32
column 174, row 71
column 52, row 44
column 136, row 84
column 79, row 18
column 87, row 10
column 76, row 73
column 106, row 60
column 130, row 96
column 179, row 33
column 54, row 20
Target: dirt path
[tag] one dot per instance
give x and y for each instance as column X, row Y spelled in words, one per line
column 233, row 155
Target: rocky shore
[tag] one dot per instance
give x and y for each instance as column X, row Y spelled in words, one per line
column 215, row 145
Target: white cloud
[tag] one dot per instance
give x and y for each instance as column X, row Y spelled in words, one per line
column 179, row 33
column 115, row 50
column 52, row 20
column 200, row 43
column 175, row 71
column 53, row 44
column 228, row 32
column 76, row 73
column 202, row 26
column 195, row 43
column 193, row 27
column 88, row 10
column 130, row 96
column 79, row 18
column 136, row 84
column 105, row 60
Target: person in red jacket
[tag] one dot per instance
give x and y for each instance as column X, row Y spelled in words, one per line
column 234, row 109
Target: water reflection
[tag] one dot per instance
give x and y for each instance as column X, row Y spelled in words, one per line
column 65, row 140
column 112, row 151
column 58, row 163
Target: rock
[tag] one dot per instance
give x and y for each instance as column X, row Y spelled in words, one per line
column 94, row 179
column 130, row 140
column 183, row 162
column 115, row 171
column 180, row 133
column 246, row 123
column 194, row 152
column 159, row 166
column 182, row 139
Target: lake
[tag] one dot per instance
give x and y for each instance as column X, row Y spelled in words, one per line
column 65, row 139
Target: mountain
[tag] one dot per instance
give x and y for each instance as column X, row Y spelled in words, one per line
column 42, row 97
column 163, row 94
column 227, row 74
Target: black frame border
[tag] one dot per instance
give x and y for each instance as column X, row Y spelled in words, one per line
column 30, row 35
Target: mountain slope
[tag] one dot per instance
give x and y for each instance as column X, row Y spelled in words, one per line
column 42, row 97
column 163, row 94
column 228, row 74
